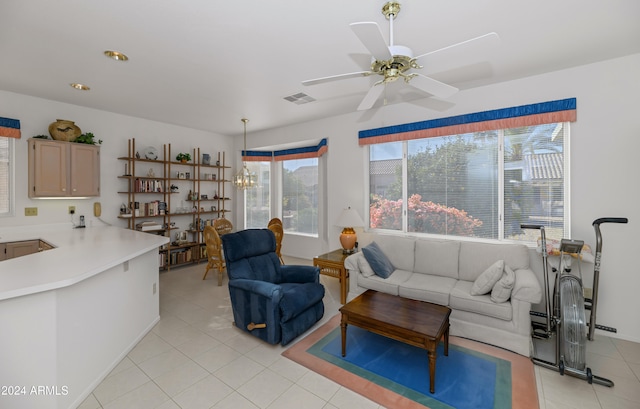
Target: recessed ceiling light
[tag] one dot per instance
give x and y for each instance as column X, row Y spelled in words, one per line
column 80, row 87
column 116, row 55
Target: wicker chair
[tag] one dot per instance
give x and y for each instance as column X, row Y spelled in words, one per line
column 214, row 252
column 275, row 225
column 222, row 226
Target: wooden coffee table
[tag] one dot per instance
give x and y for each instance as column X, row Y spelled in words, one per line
column 413, row 322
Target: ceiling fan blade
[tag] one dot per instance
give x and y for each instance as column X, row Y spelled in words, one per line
column 371, row 36
column 460, row 54
column 433, row 87
column 372, row 96
column 336, row 77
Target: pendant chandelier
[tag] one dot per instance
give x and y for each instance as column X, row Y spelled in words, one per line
column 244, row 179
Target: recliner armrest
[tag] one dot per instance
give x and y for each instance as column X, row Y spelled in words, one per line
column 263, row 288
column 299, row 274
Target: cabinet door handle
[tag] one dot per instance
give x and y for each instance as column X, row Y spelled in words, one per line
column 64, row 189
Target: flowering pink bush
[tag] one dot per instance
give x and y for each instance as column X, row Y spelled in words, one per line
column 424, row 217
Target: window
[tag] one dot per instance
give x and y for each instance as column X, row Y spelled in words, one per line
column 6, row 156
column 258, row 200
column 483, row 184
column 300, row 195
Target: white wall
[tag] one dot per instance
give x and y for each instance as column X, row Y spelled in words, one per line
column 36, row 114
column 605, row 141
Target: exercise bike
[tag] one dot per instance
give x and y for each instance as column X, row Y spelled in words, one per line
column 565, row 320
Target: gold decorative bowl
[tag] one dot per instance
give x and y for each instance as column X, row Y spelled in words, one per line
column 64, row 130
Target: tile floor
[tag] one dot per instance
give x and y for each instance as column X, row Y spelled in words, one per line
column 195, row 358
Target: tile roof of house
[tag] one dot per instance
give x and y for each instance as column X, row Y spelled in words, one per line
column 384, row 167
column 544, row 166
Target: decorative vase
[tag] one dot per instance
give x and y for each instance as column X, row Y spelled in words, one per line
column 64, row 130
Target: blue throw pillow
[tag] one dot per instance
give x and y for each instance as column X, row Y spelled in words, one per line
column 379, row 263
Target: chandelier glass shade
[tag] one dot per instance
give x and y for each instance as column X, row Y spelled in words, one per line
column 245, row 179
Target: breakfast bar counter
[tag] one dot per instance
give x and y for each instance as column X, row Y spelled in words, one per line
column 70, row 314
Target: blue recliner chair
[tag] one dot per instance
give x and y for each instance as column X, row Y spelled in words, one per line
column 273, row 302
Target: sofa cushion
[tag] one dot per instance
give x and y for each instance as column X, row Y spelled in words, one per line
column 475, row 257
column 428, row 288
column 501, row 292
column 364, row 267
column 461, row 299
column 399, row 250
column 378, row 261
column 437, row 257
column 385, row 285
column 488, row 279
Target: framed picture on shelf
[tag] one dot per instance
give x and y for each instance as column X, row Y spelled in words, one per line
column 181, row 175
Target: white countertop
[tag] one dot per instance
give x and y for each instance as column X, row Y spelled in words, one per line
column 78, row 255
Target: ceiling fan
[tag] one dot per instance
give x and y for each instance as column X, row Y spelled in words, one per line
column 393, row 62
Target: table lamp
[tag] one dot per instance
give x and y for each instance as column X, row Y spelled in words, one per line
column 348, row 220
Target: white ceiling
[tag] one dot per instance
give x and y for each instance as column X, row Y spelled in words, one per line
column 207, row 63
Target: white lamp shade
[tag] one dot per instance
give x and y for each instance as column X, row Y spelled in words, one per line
column 349, row 218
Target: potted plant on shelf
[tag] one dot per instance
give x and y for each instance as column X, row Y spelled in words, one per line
column 87, row 138
column 183, row 157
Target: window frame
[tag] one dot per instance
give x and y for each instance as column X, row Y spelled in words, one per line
column 281, row 190
column 500, row 168
column 10, row 178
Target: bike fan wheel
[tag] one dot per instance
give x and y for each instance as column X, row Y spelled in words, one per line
column 573, row 323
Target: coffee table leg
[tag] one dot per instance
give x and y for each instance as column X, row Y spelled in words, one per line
column 432, row 371
column 446, row 342
column 343, row 331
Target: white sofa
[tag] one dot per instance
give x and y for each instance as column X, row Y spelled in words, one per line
column 443, row 272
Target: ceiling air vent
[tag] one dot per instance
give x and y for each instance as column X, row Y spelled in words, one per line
column 300, row 98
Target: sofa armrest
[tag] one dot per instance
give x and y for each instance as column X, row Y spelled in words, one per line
column 351, row 262
column 526, row 288
column 299, row 274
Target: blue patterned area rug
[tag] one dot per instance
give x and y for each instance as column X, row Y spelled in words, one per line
column 396, row 375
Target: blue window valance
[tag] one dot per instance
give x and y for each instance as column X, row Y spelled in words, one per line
column 525, row 115
column 287, row 154
column 9, row 127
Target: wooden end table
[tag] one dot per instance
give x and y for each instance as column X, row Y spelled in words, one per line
column 413, row 322
column 332, row 264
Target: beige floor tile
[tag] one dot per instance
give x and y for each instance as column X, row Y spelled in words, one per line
column 90, row 403
column 203, row 394
column 181, row 378
column 318, row 385
column 163, row 363
column 608, row 401
column 239, row 371
column 628, row 389
column 235, row 401
column 266, row 354
column 117, row 385
column 126, row 363
column 288, row 369
column 297, row 398
column 150, row 346
column 147, row 396
column 216, row 357
column 629, row 350
column 264, row 388
column 198, row 345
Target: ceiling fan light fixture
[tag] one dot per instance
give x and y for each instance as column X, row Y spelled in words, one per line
column 245, row 179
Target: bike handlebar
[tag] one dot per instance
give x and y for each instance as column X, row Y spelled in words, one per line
column 610, row 220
